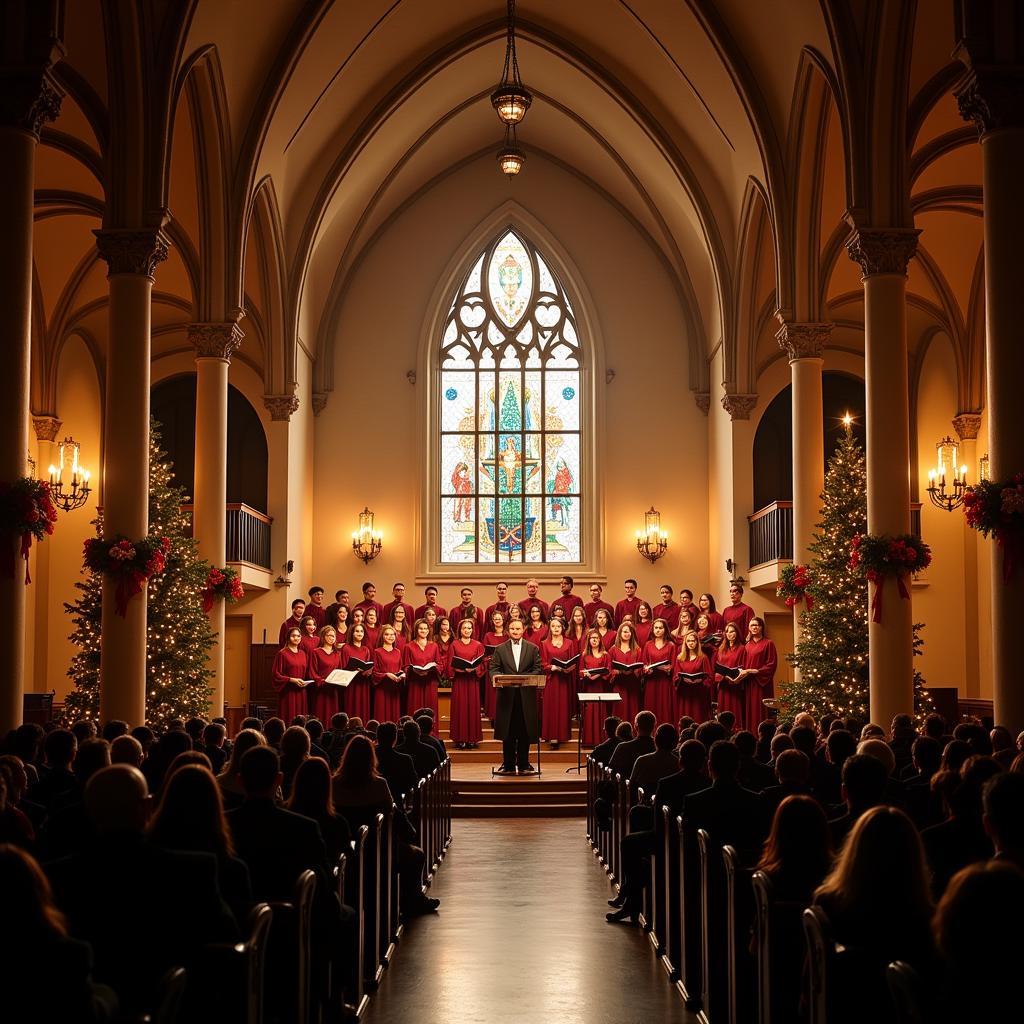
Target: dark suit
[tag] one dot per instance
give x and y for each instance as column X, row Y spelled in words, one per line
column 731, row 815
column 398, row 770
column 604, row 750
column 423, row 755
column 628, row 751
column 517, row 723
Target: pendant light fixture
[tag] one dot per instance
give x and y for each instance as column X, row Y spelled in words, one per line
column 511, row 99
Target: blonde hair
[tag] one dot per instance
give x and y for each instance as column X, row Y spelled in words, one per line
column 684, row 651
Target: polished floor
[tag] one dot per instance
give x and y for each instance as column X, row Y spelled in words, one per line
column 521, row 937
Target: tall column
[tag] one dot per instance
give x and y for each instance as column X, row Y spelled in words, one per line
column 28, row 99
column 992, row 96
column 214, row 344
column 804, row 344
column 739, row 406
column 47, row 428
column 883, row 255
column 131, row 257
column 967, row 425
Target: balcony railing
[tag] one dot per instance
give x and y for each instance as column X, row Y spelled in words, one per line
column 248, row 534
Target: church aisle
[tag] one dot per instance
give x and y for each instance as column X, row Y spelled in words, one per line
column 521, row 937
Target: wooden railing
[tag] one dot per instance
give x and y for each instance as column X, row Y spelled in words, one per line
column 771, row 533
column 248, row 534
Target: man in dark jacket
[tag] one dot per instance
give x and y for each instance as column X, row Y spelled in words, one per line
column 626, row 753
column 424, row 755
column 398, row 770
column 603, row 751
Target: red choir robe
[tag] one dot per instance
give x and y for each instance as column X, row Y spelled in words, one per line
column 409, row 611
column 359, row 695
column 731, row 691
column 490, row 694
column 669, row 611
column 421, row 687
column 594, row 714
column 325, row 695
column 465, row 712
column 716, row 622
column 287, row 626
column 422, row 610
column 709, row 641
column 319, row 613
column 468, row 611
column 331, row 614
column 627, row 606
column 364, row 604
column 591, row 607
column 691, row 608
column 498, row 606
column 444, row 650
column 693, row 698
column 761, row 654
column 537, row 636
column 372, row 636
column 607, row 639
column 559, row 692
column 309, row 643
column 627, row 683
column 292, row 700
column 566, row 602
column 387, row 694
column 659, row 694
column 642, row 632
column 528, row 602
column 741, row 614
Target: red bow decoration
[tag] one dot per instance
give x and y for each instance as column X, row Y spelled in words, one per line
column 876, row 599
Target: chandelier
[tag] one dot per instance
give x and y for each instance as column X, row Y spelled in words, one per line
column 366, row 541
column 940, row 497
column 511, row 100
column 69, row 485
column 652, row 541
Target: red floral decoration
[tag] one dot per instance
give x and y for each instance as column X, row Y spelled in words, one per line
column 223, row 583
column 879, row 557
column 26, row 512
column 996, row 509
column 129, row 562
column 795, row 581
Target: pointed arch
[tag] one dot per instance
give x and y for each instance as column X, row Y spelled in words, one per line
column 266, row 231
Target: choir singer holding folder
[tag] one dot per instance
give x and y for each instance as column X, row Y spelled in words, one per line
column 516, row 725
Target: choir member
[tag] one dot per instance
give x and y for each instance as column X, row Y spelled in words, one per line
column 709, row 640
column 358, row 696
column 467, row 610
column 732, row 654
column 466, row 730
column 737, row 611
column 628, row 605
column 595, row 602
column 595, row 672
column 369, row 600
column 556, row 722
column 763, row 659
column 315, row 606
column 494, row 636
column 686, row 603
column 310, row 637
column 340, row 622
column 403, row 629
column 576, row 630
column 706, row 603
column 444, row 638
column 605, row 628
column 388, row 678
column 536, row 627
column 659, row 657
column 322, row 662
column 668, row 609
column 627, row 680
column 371, row 624
column 687, row 624
column 293, row 621
column 341, row 600
column 430, row 617
column 642, row 621
column 532, row 586
column 693, row 695
column 357, row 615
column 420, row 680
column 515, row 612
column 430, row 601
column 501, row 605
column 397, row 599
column 567, row 599
column 290, row 676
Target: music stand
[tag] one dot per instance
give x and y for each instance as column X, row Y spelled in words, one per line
column 537, row 683
column 581, row 700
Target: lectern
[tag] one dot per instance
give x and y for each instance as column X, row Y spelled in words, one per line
column 582, row 700
column 531, row 682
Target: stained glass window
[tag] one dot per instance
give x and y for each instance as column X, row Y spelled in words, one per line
column 510, row 414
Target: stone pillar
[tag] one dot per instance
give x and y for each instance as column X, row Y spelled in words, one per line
column 131, row 257
column 967, row 425
column 883, row 255
column 992, row 96
column 28, row 99
column 47, row 429
column 214, row 344
column 739, row 406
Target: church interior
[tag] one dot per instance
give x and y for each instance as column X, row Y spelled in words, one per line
column 312, row 305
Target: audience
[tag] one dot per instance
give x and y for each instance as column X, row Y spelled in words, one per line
column 792, row 769
column 798, row 852
column 864, row 779
column 625, row 754
column 603, row 751
column 650, row 769
column 311, row 797
column 396, row 768
column 424, row 755
column 1003, row 816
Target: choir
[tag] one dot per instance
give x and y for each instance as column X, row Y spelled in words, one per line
column 677, row 659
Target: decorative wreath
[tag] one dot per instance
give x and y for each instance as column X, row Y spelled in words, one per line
column 130, row 562
column 26, row 511
column 795, row 581
column 879, row 557
column 997, row 509
column 224, row 583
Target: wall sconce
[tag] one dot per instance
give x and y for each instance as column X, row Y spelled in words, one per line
column 651, row 542
column 983, row 471
column 947, row 466
column 366, row 542
column 69, row 484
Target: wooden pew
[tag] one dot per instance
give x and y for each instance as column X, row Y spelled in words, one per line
column 713, row 972
column 353, row 893
column 371, row 881
column 670, row 898
column 690, row 982
column 291, row 945
column 820, row 959
column 781, row 950
column 389, row 891
column 739, row 915
column 914, row 1004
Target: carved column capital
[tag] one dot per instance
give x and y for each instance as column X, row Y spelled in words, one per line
column 991, row 96
column 803, row 341
column 215, row 340
column 281, row 407
column 319, row 402
column 46, row 427
column 703, row 400
column 882, row 250
column 28, row 100
column 967, row 425
column 739, row 406
column 128, row 251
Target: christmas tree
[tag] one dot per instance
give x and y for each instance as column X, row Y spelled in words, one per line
column 178, row 634
column 832, row 654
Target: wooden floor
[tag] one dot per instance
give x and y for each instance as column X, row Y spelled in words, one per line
column 521, row 937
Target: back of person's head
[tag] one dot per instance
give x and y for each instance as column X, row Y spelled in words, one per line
column 339, row 722
column 214, row 735
column 294, row 745
column 804, row 738
column 311, row 789
column 805, row 720
column 127, row 750
column 780, row 742
column 693, row 756
column 115, row 799
column 299, row 720
column 411, row 731
column 709, row 733
column 611, row 726
column 92, row 756
column 723, row 760
column 1003, row 806
column 12, row 769
column 190, row 815
column 145, row 736
column 881, row 751
column 727, row 720
column 645, row 722
column 171, row 744
column 686, row 722
column 835, row 725
column 840, row 745
column 260, row 771
column 114, row 728
column 1001, row 738
column 871, row 731
column 244, row 741
column 666, row 737
column 966, row 798
column 825, row 724
column 745, row 742
column 799, row 844
column 83, row 729
column 624, row 731
column 355, row 723
column 186, row 759
column 766, row 729
column 176, row 725
column 864, row 779
column 387, row 735
column 426, row 724
column 27, row 899
column 315, row 728
column 793, row 767
column 934, row 726
column 252, row 723
column 59, row 748
column 273, row 730
column 954, row 754
column 926, row 754
column 688, row 733
column 359, row 762
column 901, row 725
column 372, row 726
column 420, row 712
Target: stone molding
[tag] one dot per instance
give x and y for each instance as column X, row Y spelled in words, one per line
column 882, row 250
column 967, row 425
column 46, row 427
column 803, row 341
column 281, row 407
column 127, row 251
column 703, row 400
column 992, row 97
column 215, row 340
column 739, row 406
column 319, row 402
column 28, row 100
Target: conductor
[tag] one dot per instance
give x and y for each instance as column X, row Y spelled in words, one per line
column 516, row 724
